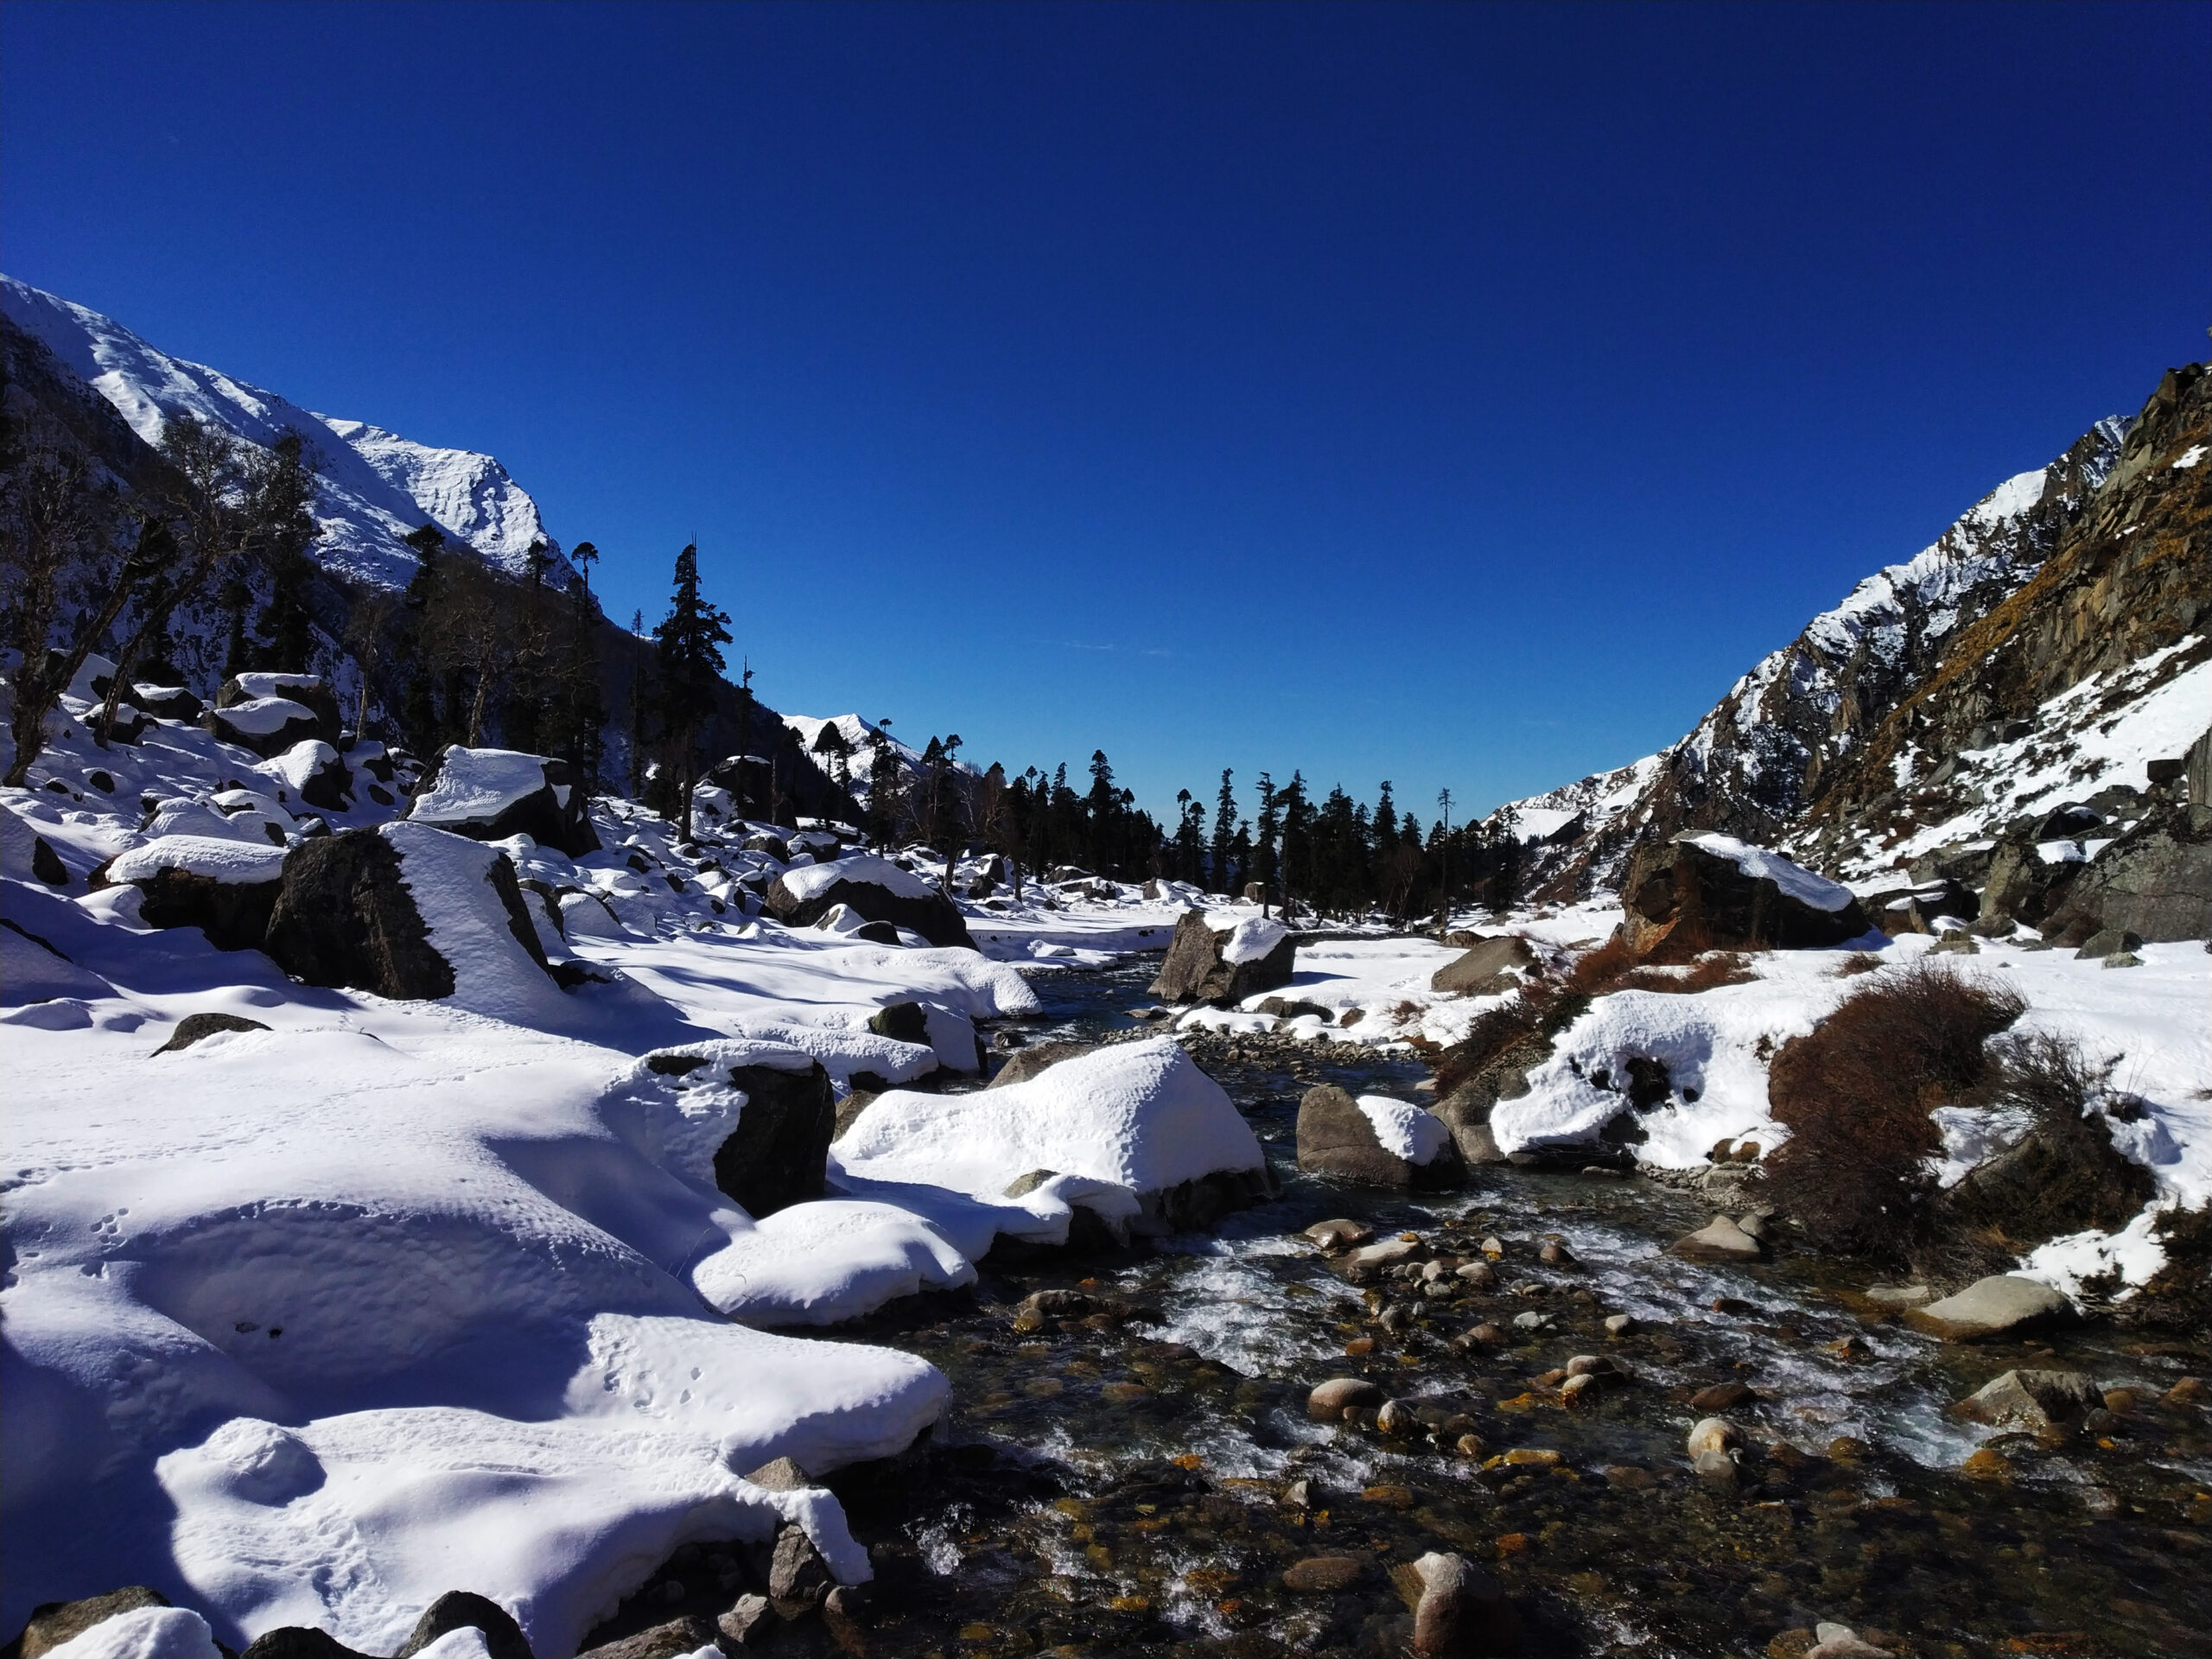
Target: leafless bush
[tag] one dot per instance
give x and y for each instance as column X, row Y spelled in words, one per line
column 1856, row 1094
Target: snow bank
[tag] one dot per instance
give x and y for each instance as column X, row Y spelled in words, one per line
column 828, row 1262
column 1759, row 862
column 229, row 862
column 1407, row 1131
column 1139, row 1115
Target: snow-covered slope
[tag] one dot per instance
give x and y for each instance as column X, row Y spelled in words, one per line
column 374, row 487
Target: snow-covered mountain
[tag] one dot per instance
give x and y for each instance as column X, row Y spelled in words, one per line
column 860, row 737
column 1756, row 764
column 374, row 487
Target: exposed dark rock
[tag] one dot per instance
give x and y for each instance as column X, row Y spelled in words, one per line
column 299, row 1641
column 329, row 784
column 2023, row 886
column 234, row 915
column 1324, row 1575
column 45, row 863
column 554, row 814
column 797, row 1576
column 52, row 1622
column 1677, row 890
column 1465, row 1111
column 2063, row 1176
column 503, row 1637
column 1460, row 1612
column 777, row 1154
column 195, row 1026
column 1027, row 1063
column 903, row 1022
column 1196, row 971
column 2156, row 880
column 674, row 1640
column 2032, row 1399
column 1335, row 1137
column 849, row 1110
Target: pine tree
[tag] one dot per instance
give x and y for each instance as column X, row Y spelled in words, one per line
column 687, row 663
column 1265, row 852
column 1224, row 833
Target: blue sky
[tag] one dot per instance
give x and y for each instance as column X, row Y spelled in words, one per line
column 1460, row 395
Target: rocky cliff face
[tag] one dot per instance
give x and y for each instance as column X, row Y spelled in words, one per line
column 1808, row 747
column 2070, row 691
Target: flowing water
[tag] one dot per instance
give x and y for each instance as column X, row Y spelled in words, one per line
column 1110, row 1484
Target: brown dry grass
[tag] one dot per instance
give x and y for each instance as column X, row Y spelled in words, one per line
column 1613, row 967
column 1856, row 1095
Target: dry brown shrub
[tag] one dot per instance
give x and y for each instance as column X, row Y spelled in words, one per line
column 1859, row 962
column 1709, row 972
column 1536, row 1011
column 1598, row 971
column 1856, row 1095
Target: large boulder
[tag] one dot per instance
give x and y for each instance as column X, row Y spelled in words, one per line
column 349, row 915
column 776, row 1156
column 2032, row 1399
column 1225, row 966
column 1489, row 967
column 1375, row 1142
column 1465, row 1112
column 54, row 1623
column 2028, row 880
column 227, row 889
column 1027, row 1063
column 2001, row 1304
column 490, row 794
column 872, row 888
column 2156, row 880
column 1714, row 892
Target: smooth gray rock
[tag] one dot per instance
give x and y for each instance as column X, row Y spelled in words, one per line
column 1335, row 1137
column 2032, row 1398
column 2003, row 1302
column 1487, row 968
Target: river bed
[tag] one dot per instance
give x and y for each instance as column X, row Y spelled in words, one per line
column 1110, row 1485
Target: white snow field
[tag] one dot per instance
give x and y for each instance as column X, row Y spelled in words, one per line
column 312, row 1324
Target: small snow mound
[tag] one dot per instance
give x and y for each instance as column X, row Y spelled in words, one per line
column 1407, row 1131
column 1254, row 937
column 143, row 1633
column 1759, row 862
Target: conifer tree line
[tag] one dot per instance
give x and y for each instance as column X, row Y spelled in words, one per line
column 215, row 528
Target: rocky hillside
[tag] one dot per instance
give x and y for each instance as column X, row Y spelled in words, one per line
column 1863, row 743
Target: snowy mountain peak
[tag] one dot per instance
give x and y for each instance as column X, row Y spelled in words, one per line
column 374, row 487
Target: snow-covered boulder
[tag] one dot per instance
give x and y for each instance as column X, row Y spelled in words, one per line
column 490, row 794
column 266, row 726
column 226, row 888
column 310, row 691
column 1375, row 1140
column 407, row 912
column 1724, row 895
column 872, row 888
column 1225, row 966
column 313, row 772
column 1132, row 1130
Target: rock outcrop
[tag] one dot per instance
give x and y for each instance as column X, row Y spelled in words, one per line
column 1225, row 966
column 2155, row 881
column 1712, row 892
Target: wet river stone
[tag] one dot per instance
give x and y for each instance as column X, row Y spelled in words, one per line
column 1329, row 1402
column 2000, row 1304
column 1324, row 1575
